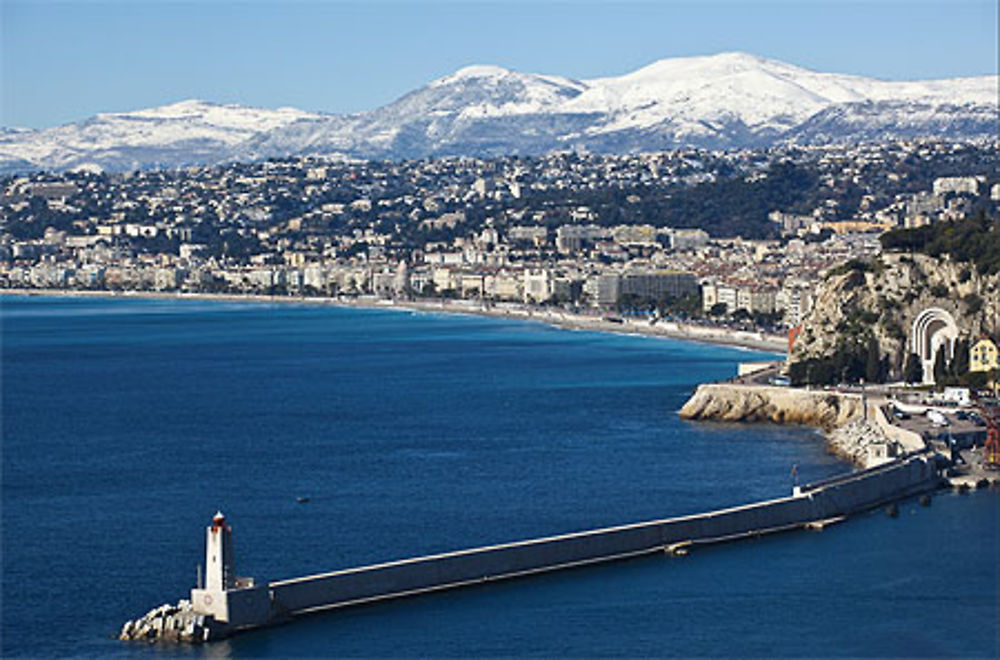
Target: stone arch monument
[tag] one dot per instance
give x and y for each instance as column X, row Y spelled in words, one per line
column 934, row 329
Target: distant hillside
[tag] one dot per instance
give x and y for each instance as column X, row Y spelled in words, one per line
column 724, row 101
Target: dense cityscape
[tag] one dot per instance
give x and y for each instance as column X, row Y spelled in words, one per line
column 739, row 236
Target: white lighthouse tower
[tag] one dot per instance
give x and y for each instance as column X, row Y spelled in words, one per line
column 238, row 601
column 219, row 574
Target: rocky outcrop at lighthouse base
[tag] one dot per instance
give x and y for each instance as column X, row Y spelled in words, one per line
column 173, row 623
column 729, row 402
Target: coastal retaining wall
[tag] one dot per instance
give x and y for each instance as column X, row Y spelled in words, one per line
column 830, row 499
column 908, row 440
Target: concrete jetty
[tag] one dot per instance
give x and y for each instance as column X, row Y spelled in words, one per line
column 226, row 604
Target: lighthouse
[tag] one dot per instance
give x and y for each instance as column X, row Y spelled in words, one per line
column 219, row 574
column 237, row 601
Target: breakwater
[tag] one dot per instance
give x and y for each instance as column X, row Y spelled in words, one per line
column 228, row 604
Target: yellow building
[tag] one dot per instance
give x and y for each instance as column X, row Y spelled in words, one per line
column 984, row 356
column 857, row 226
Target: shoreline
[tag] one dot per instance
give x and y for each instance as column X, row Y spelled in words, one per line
column 854, row 429
column 512, row 311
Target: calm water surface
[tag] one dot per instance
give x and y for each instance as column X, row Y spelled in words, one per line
column 127, row 423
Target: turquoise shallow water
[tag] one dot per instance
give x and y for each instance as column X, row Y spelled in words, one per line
column 127, row 423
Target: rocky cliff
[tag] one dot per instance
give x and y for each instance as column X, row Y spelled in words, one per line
column 742, row 403
column 882, row 298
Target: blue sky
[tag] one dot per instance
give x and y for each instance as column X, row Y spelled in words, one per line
column 64, row 62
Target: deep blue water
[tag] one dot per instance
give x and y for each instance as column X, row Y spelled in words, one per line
column 127, row 423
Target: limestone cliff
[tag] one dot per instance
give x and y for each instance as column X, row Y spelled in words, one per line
column 742, row 403
column 882, row 298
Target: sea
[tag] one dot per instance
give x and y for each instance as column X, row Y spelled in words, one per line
column 127, row 423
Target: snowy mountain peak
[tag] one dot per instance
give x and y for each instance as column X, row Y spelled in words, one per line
column 184, row 108
column 489, row 75
column 727, row 100
column 219, row 114
column 473, row 72
column 483, row 91
column 707, row 66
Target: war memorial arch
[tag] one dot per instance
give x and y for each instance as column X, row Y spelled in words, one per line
column 934, row 329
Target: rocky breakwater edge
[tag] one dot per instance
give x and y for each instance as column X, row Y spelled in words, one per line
column 173, row 623
column 849, row 432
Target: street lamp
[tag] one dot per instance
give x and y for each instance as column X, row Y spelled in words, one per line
column 864, row 401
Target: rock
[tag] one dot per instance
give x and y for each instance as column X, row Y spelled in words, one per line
column 747, row 403
column 171, row 623
column 848, row 434
column 852, row 441
column 896, row 291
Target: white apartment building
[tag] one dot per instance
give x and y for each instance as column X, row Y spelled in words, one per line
column 504, row 285
column 688, row 239
column 796, row 302
column 752, row 299
column 957, row 184
column 537, row 285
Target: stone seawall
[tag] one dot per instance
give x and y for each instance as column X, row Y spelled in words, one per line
column 810, row 506
column 728, row 402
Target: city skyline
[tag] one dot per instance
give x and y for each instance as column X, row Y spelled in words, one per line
column 342, row 57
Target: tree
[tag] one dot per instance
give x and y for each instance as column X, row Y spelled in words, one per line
column 973, row 303
column 741, row 314
column 629, row 302
column 848, row 361
column 959, row 366
column 913, row 369
column 718, row 309
column 940, row 366
column 812, row 371
column 873, row 362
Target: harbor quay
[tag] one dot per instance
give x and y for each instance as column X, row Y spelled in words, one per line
column 223, row 604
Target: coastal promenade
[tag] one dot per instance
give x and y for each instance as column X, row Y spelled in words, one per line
column 549, row 315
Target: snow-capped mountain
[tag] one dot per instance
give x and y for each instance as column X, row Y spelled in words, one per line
column 730, row 100
column 465, row 109
column 734, row 97
column 185, row 133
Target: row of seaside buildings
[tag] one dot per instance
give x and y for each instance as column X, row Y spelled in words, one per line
column 606, row 288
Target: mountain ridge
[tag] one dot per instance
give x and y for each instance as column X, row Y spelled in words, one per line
column 723, row 101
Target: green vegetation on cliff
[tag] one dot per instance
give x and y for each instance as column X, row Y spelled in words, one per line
column 855, row 358
column 975, row 241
